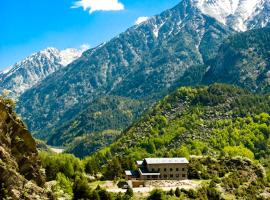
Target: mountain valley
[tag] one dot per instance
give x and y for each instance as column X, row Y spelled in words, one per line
column 193, row 82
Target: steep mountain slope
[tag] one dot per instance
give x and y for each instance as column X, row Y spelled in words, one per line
column 244, row 60
column 109, row 113
column 142, row 63
column 20, row 175
column 193, row 115
column 241, row 15
column 25, row 74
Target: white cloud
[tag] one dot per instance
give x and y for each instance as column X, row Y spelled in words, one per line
column 99, row 5
column 141, row 20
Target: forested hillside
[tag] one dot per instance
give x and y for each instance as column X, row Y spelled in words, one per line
column 223, row 130
column 106, row 113
column 216, row 120
column 244, row 60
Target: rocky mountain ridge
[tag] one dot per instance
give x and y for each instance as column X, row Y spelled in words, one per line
column 25, row 74
column 142, row 63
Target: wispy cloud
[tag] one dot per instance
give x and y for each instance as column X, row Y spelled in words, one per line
column 99, row 5
column 141, row 20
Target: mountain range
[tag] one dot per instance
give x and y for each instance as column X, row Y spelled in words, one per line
column 24, row 74
column 181, row 46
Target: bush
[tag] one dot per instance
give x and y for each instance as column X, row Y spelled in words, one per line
column 81, row 188
column 156, row 195
column 129, row 192
column 177, row 192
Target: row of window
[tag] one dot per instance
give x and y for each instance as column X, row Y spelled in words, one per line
column 171, row 169
column 176, row 175
column 166, row 176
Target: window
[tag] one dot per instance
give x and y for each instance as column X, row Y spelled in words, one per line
column 152, row 169
column 165, row 169
column 177, row 175
column 171, row 169
column 165, row 176
column 171, row 175
column 148, row 176
column 153, row 177
column 183, row 175
column 183, row 169
column 159, row 169
column 177, row 169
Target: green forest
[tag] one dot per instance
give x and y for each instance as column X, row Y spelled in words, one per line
column 223, row 130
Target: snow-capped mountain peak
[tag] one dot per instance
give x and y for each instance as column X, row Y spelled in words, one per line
column 69, row 55
column 36, row 67
column 239, row 14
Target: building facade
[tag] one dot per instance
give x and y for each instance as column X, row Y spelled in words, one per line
column 160, row 169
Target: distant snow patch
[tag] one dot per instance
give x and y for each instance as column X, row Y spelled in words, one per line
column 6, row 70
column 141, row 20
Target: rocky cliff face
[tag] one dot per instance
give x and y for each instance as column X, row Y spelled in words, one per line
column 20, row 174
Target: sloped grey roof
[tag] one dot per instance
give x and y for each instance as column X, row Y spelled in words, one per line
column 147, row 173
column 166, row 160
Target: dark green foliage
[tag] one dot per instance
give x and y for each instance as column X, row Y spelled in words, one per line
column 3, row 191
column 208, row 192
column 66, row 164
column 95, row 195
column 243, row 59
column 105, row 113
column 87, row 144
column 129, row 192
column 113, row 169
column 81, row 188
column 104, row 195
column 177, row 192
column 157, row 195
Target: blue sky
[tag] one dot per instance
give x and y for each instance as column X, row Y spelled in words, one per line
column 27, row 26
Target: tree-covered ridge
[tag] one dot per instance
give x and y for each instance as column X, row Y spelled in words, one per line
column 243, row 59
column 215, row 120
column 105, row 113
column 87, row 144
